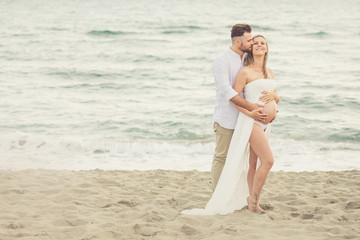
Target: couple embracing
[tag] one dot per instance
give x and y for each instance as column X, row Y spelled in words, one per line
column 246, row 101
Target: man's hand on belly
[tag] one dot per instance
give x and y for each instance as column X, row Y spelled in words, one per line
column 258, row 115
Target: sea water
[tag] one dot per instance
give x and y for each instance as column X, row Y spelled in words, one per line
column 121, row 84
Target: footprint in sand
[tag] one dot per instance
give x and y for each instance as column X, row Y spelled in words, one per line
column 307, row 216
column 189, row 231
column 14, row 226
column 67, row 223
column 176, row 203
column 153, row 217
column 294, row 214
column 352, row 205
column 145, row 230
column 128, row 203
column 266, row 207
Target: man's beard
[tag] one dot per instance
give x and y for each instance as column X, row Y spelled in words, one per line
column 245, row 50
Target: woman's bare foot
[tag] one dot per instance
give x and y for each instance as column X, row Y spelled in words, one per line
column 259, row 209
column 251, row 204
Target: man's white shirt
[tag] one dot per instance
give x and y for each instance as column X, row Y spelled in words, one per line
column 225, row 68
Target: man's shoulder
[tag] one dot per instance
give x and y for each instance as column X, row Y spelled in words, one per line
column 222, row 57
column 223, row 54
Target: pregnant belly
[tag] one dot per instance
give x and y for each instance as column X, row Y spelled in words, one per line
column 271, row 110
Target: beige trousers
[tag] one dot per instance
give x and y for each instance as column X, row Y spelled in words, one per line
column 223, row 138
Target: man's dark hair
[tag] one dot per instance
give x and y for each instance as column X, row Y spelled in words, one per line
column 238, row 30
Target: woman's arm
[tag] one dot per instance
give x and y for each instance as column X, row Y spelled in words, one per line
column 267, row 97
column 276, row 98
column 270, row 96
column 240, row 82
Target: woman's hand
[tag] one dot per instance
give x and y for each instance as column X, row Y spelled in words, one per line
column 267, row 96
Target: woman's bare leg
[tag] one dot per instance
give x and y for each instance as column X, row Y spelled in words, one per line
column 251, row 173
column 252, row 169
column 261, row 148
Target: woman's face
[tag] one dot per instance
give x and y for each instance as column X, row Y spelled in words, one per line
column 260, row 46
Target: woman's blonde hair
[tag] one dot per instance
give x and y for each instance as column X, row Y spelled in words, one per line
column 250, row 58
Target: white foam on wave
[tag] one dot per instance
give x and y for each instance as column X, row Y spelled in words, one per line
column 24, row 151
column 27, row 142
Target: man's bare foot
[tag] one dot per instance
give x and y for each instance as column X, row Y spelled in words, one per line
column 251, row 204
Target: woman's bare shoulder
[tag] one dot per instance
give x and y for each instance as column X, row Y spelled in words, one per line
column 271, row 73
column 243, row 75
column 244, row 71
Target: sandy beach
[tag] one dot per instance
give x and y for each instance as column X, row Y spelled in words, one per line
column 51, row 204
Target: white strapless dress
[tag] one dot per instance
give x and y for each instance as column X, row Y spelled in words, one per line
column 232, row 190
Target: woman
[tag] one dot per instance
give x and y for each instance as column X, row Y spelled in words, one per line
column 241, row 182
column 256, row 70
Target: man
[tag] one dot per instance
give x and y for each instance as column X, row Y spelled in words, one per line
column 225, row 68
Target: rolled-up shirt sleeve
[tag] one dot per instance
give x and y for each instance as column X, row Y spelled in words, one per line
column 223, row 79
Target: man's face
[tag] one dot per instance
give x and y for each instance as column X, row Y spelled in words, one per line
column 247, row 42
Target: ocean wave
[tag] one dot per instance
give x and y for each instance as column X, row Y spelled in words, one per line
column 23, row 35
column 303, row 100
column 165, row 131
column 257, row 27
column 340, row 148
column 98, row 86
column 70, row 74
column 262, row 28
column 326, row 103
column 26, row 142
column 184, row 134
column 319, row 34
column 174, row 32
column 107, row 33
column 307, row 127
column 28, row 151
column 152, row 58
column 58, row 29
column 336, row 100
column 190, row 27
column 182, row 27
column 347, row 134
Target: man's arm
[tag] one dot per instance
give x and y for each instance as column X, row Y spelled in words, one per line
column 241, row 102
column 254, row 112
column 221, row 75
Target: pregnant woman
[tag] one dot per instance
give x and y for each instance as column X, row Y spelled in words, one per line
column 257, row 79
column 241, row 181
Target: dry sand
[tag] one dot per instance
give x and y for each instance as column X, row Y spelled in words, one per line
column 46, row 204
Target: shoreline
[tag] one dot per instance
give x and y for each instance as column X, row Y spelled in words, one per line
column 120, row 204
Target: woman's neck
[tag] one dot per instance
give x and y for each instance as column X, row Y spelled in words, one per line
column 258, row 62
